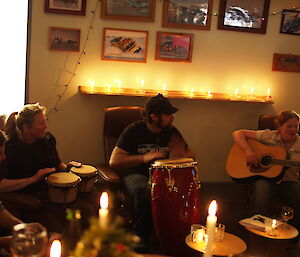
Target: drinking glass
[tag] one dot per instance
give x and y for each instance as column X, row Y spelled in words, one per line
column 219, row 232
column 287, row 213
column 29, row 240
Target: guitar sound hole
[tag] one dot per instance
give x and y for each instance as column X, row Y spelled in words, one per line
column 266, row 160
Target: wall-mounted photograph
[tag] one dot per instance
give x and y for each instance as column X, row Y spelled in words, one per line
column 64, row 39
column 244, row 15
column 141, row 10
column 188, row 14
column 286, row 62
column 76, row 7
column 290, row 22
column 175, row 47
column 124, row 45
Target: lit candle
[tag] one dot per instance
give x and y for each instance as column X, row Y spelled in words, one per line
column 55, row 250
column 165, row 91
column 268, row 93
column 103, row 211
column 108, row 88
column 120, row 90
column 91, row 84
column 192, row 92
column 209, row 95
column 236, row 92
column 273, row 224
column 211, row 221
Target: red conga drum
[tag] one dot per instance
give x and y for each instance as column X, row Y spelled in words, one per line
column 175, row 202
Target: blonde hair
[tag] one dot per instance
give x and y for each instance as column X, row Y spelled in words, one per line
column 17, row 120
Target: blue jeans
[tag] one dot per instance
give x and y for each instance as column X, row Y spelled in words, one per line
column 137, row 187
column 264, row 191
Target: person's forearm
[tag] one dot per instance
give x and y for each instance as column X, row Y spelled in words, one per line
column 240, row 139
column 8, row 185
column 119, row 162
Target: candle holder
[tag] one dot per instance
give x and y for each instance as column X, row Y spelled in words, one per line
column 219, row 232
column 271, row 231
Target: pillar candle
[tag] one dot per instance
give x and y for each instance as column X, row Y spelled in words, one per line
column 211, row 221
column 103, row 211
column 55, row 250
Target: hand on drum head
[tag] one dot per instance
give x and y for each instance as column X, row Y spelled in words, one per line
column 42, row 173
column 154, row 155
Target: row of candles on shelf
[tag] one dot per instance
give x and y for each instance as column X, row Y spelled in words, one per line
column 56, row 247
column 191, row 93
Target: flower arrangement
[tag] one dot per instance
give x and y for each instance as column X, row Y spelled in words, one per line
column 111, row 241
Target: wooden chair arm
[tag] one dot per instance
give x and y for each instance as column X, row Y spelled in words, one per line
column 107, row 173
column 21, row 200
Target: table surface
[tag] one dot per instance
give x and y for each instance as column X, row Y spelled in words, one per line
column 230, row 245
column 285, row 231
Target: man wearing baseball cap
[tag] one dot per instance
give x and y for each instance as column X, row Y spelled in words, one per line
column 139, row 145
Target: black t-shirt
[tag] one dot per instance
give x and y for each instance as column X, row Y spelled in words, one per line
column 24, row 160
column 137, row 139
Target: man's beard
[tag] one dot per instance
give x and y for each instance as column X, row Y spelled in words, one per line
column 163, row 128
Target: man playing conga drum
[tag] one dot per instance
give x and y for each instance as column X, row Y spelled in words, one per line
column 139, row 145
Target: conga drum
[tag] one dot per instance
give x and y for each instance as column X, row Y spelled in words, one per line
column 175, row 202
column 88, row 175
column 63, row 187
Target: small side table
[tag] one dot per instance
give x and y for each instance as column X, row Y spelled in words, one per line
column 229, row 246
column 262, row 244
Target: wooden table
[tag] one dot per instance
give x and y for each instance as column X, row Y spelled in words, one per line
column 265, row 245
column 230, row 245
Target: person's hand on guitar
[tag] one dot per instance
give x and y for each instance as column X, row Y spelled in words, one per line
column 252, row 159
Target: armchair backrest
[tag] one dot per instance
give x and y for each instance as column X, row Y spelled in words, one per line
column 266, row 121
column 116, row 119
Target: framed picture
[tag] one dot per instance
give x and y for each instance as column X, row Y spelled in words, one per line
column 175, row 47
column 76, row 7
column 187, row 14
column 64, row 39
column 124, row 45
column 290, row 22
column 286, row 62
column 244, row 15
column 141, row 10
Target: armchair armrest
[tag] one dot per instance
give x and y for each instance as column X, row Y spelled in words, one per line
column 21, row 200
column 107, row 173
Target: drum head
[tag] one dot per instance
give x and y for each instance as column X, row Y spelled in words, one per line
column 84, row 170
column 176, row 162
column 62, row 179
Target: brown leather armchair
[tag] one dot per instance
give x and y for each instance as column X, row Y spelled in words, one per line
column 116, row 119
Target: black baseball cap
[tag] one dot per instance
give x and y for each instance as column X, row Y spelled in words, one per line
column 159, row 105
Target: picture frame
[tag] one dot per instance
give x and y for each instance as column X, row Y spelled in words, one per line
column 187, row 14
column 124, row 45
column 64, row 39
column 286, row 62
column 244, row 15
column 175, row 47
column 131, row 10
column 290, row 22
column 76, row 7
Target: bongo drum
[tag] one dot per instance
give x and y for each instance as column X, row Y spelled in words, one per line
column 62, row 187
column 175, row 202
column 88, row 175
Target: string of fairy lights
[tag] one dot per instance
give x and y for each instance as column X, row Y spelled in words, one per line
column 78, row 62
column 83, row 51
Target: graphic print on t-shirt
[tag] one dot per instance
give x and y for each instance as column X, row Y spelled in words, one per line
column 145, row 148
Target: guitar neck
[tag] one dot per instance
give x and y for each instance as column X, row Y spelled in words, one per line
column 287, row 163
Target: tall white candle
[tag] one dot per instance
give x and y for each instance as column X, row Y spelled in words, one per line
column 103, row 211
column 211, row 221
column 55, row 250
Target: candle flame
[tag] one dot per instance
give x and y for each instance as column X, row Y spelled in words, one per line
column 236, row 91
column 274, row 223
column 212, row 208
column 55, row 250
column 91, row 83
column 165, row 87
column 268, row 91
column 142, row 83
column 104, row 200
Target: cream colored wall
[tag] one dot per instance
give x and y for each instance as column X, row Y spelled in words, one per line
column 222, row 61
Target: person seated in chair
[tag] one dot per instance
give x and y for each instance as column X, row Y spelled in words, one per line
column 139, row 145
column 288, row 187
column 31, row 154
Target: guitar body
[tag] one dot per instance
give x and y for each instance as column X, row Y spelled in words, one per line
column 236, row 164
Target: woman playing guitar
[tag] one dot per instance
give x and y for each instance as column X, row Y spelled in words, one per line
column 288, row 187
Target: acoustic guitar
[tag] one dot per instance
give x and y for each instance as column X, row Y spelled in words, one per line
column 271, row 161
